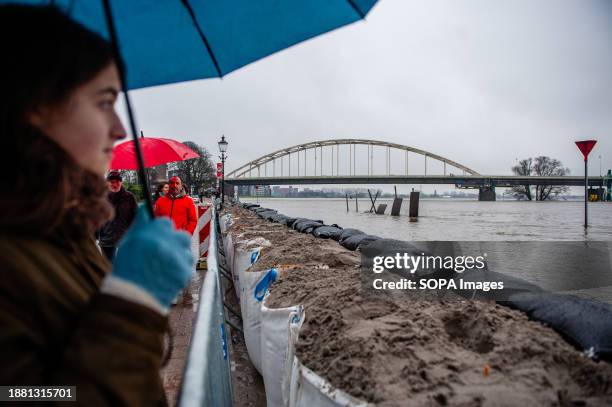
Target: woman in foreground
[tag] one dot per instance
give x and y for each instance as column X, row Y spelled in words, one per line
column 68, row 317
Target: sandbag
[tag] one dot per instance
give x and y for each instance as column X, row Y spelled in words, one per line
column 585, row 323
column 277, row 218
column 268, row 215
column 289, row 221
column 247, row 283
column 260, row 209
column 225, row 222
column 300, row 221
column 268, row 212
column 512, row 285
column 390, row 247
column 350, row 232
column 327, row 231
column 243, row 255
column 307, row 227
column 309, row 389
column 279, row 333
column 355, row 241
column 250, row 308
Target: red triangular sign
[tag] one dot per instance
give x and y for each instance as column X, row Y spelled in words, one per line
column 586, row 146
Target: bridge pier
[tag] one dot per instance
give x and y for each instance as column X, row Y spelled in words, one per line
column 486, row 193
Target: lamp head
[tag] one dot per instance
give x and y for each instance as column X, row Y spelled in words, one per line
column 222, row 144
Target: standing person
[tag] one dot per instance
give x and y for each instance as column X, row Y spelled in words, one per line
column 124, row 203
column 162, row 189
column 67, row 316
column 178, row 206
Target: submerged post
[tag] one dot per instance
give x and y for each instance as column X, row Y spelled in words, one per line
column 346, row 195
column 373, row 200
column 413, row 211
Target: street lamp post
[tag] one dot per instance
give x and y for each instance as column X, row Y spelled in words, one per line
column 222, row 148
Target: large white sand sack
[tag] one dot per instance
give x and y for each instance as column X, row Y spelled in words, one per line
column 309, row 389
column 279, row 333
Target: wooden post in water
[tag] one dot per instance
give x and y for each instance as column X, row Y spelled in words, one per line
column 356, row 202
column 414, row 206
column 373, row 201
column 347, row 209
column 397, row 204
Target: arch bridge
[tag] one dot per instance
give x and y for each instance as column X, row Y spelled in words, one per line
column 339, row 162
column 326, row 156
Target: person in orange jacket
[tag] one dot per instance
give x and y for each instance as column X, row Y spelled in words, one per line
column 178, row 206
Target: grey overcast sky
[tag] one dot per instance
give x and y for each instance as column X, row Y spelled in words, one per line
column 479, row 82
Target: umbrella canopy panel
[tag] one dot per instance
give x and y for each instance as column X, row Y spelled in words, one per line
column 167, row 41
column 155, row 151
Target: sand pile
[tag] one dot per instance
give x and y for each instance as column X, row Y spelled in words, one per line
column 393, row 350
column 289, row 248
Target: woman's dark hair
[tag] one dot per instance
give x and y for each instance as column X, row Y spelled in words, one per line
column 158, row 190
column 46, row 56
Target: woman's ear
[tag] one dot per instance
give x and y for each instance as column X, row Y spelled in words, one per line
column 39, row 117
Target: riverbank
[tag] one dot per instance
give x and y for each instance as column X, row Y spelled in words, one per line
column 390, row 350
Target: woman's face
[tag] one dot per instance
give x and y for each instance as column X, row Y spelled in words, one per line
column 86, row 125
column 165, row 189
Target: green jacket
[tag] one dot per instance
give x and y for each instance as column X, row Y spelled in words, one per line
column 56, row 328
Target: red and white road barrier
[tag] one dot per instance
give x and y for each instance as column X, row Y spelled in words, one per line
column 199, row 242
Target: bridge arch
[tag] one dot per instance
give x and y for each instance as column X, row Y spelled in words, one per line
column 245, row 170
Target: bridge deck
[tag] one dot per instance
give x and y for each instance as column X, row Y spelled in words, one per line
column 459, row 180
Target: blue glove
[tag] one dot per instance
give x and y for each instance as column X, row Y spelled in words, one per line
column 155, row 257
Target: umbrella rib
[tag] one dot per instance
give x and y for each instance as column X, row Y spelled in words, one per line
column 202, row 36
column 354, row 6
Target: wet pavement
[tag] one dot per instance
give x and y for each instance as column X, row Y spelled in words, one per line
column 247, row 383
column 181, row 320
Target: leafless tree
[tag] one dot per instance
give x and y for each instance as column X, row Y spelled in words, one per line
column 198, row 173
column 549, row 167
column 524, row 168
column 540, row 166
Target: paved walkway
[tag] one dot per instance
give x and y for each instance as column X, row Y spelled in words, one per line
column 247, row 383
column 181, row 320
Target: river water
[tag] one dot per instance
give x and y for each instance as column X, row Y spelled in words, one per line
column 459, row 220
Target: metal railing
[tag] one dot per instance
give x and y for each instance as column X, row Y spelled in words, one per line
column 206, row 379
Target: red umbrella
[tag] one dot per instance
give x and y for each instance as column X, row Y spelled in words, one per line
column 156, row 151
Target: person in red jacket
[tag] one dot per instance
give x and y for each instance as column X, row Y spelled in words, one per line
column 178, row 206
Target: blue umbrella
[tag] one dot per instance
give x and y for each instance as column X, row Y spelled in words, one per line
column 168, row 41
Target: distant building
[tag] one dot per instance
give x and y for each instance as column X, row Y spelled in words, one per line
column 263, row 190
column 283, row 192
